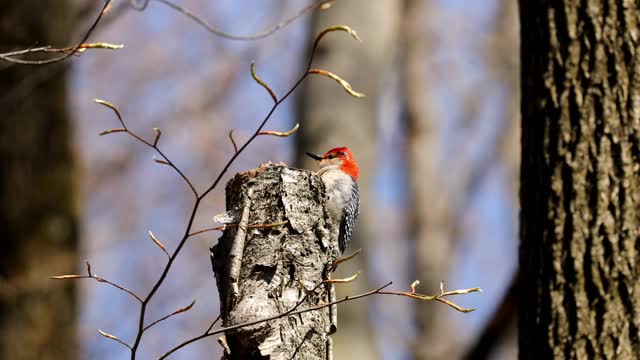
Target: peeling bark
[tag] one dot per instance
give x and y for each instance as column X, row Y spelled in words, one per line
column 580, row 176
column 278, row 264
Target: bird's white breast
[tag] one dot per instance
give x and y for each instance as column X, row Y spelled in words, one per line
column 338, row 186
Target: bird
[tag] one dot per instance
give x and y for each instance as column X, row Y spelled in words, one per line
column 339, row 172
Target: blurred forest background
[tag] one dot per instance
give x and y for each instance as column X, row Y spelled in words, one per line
column 436, row 137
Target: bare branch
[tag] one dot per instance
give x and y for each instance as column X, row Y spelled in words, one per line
column 271, row 318
column 440, row 297
column 113, row 108
column 97, row 278
column 318, row 4
column 111, row 131
column 160, row 161
column 226, row 226
column 262, row 83
column 281, row 133
column 65, row 277
column 68, row 53
column 307, row 293
column 330, row 29
column 180, row 310
column 160, row 244
column 158, row 134
column 233, row 142
column 416, row 283
column 345, row 85
column 88, row 268
column 294, row 311
column 213, row 323
column 165, row 160
column 345, row 280
column 113, row 337
column 80, row 49
column 343, row 260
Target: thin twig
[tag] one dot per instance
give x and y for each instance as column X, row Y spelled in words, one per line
column 226, row 226
column 233, row 142
column 159, row 243
column 90, row 275
column 179, row 311
column 99, row 279
column 344, row 280
column 293, row 311
column 113, row 337
column 307, row 293
column 440, row 297
column 48, row 48
column 156, row 286
column 271, row 318
column 62, row 57
column 213, row 323
column 219, row 228
column 281, row 133
column 198, row 198
column 343, row 260
column 223, row 34
column 154, row 145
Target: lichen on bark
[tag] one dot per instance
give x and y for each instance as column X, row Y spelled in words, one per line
column 278, row 264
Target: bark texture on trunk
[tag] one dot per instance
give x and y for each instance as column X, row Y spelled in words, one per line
column 38, row 215
column 275, row 264
column 580, row 177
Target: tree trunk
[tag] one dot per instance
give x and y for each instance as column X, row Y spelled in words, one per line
column 38, row 216
column 38, row 213
column 262, row 272
column 330, row 118
column 580, row 191
column 430, row 211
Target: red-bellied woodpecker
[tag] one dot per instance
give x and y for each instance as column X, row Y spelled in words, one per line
column 339, row 172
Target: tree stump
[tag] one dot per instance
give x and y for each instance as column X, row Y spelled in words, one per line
column 264, row 270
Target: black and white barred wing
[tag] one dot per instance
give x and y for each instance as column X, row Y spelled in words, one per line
column 349, row 216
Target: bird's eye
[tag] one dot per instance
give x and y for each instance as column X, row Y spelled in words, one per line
column 331, row 156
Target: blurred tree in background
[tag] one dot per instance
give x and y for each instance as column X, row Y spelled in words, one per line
column 38, row 216
column 444, row 183
column 329, row 119
column 431, row 215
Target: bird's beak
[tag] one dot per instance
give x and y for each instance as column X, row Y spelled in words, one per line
column 314, row 156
